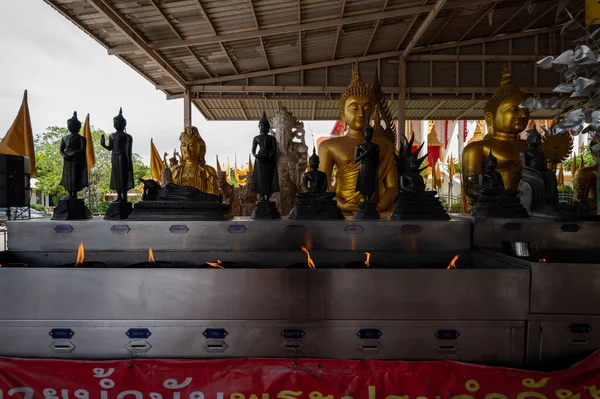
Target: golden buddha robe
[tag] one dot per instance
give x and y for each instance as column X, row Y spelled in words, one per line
column 202, row 177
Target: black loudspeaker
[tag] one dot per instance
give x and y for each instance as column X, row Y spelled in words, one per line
column 14, row 181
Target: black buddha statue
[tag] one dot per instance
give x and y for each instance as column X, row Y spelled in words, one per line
column 264, row 176
column 74, row 175
column 121, row 177
column 367, row 154
column 494, row 200
column 538, row 188
column 316, row 202
column 414, row 202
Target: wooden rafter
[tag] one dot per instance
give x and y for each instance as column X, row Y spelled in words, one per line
column 112, row 15
column 241, row 107
column 410, row 26
column 339, row 28
column 507, row 20
column 385, row 3
column 174, row 29
column 540, row 16
column 443, row 27
column 437, row 7
column 481, row 17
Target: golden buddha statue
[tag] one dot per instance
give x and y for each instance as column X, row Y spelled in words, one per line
column 193, row 170
column 505, row 120
column 356, row 106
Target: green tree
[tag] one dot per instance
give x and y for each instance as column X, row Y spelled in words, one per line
column 588, row 159
column 49, row 167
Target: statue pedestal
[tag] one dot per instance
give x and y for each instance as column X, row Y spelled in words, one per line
column 174, row 210
column 419, row 206
column 500, row 205
column 366, row 210
column 71, row 209
column 118, row 210
column 316, row 209
column 265, row 210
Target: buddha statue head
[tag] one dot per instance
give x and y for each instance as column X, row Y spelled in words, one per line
column 119, row 123
column 73, row 124
column 314, row 160
column 491, row 162
column 356, row 103
column 264, row 125
column 502, row 112
column 192, row 146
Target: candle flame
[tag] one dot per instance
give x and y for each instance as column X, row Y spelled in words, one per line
column 309, row 260
column 542, row 260
column 150, row 256
column 452, row 264
column 80, row 255
column 218, row 264
column 368, row 258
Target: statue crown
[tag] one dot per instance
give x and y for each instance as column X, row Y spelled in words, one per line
column 356, row 88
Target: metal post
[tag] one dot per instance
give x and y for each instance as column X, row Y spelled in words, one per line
column 187, row 108
column 401, row 101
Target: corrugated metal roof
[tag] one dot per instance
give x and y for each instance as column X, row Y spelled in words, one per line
column 238, row 37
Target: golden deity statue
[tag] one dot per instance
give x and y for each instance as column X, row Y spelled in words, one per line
column 356, row 106
column 505, row 120
column 193, row 170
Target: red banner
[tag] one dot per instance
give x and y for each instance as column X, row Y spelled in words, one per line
column 465, row 132
column 446, row 135
column 289, row 379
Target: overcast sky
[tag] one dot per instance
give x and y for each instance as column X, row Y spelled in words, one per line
column 64, row 70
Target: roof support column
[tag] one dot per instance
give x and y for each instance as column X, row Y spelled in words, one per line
column 401, row 101
column 187, row 108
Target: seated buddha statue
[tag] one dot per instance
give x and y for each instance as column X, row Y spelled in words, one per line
column 314, row 181
column 193, row 170
column 490, row 179
column 356, row 105
column 505, row 119
column 538, row 187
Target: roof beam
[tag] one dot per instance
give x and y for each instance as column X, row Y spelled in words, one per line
column 112, row 15
column 438, row 106
column 292, row 28
column 203, row 109
column 262, row 44
column 300, row 47
column 507, row 20
column 540, row 16
column 161, row 12
column 428, row 20
column 472, row 58
column 441, row 28
column 481, row 17
column 242, row 109
column 413, row 22
column 314, row 110
column 339, row 28
column 385, row 3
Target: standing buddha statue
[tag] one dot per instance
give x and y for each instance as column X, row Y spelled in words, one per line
column 505, row 119
column 193, row 170
column 356, row 105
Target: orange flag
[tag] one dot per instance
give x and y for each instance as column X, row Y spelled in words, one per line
column 561, row 177
column 19, row 138
column 90, row 157
column 582, row 163
column 249, row 164
column 156, row 163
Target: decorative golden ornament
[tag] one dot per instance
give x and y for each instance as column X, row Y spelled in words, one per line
column 432, row 138
column 479, row 130
column 382, row 113
column 557, row 147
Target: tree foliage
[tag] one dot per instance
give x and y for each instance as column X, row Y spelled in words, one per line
column 49, row 167
column 588, row 159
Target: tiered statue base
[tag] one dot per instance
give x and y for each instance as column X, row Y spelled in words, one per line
column 419, row 206
column 265, row 210
column 500, row 205
column 316, row 208
column 118, row 210
column 71, row 209
column 366, row 210
column 173, row 210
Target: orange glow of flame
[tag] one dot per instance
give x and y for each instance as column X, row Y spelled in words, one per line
column 217, row 264
column 452, row 264
column 150, row 256
column 542, row 260
column 368, row 259
column 309, row 260
column 80, row 255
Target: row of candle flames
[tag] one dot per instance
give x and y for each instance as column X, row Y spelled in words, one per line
column 220, row 265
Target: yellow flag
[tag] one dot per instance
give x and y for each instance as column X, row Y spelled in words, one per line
column 156, row 163
column 90, row 157
column 452, row 168
column 561, row 177
column 582, row 164
column 218, row 165
column 464, row 206
column 19, row 138
column 250, row 164
column 228, row 172
column 573, row 165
